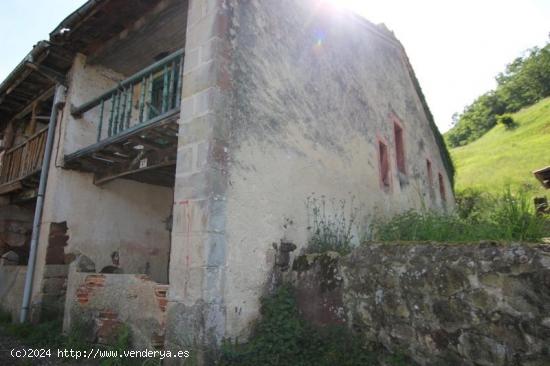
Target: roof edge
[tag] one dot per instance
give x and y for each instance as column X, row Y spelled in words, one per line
column 444, row 151
column 37, row 49
column 76, row 16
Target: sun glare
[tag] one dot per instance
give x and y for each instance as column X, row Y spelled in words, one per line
column 373, row 10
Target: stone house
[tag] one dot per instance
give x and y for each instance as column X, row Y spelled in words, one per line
column 187, row 138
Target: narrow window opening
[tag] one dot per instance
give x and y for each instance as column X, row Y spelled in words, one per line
column 442, row 188
column 399, row 148
column 430, row 176
column 384, row 164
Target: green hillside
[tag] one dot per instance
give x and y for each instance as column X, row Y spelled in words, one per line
column 507, row 157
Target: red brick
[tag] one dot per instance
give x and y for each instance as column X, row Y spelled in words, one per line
column 157, row 340
column 108, row 314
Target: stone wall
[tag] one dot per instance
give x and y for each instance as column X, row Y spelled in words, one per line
column 441, row 304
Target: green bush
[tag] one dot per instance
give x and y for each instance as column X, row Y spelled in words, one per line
column 479, row 216
column 281, row 337
column 507, row 121
column 470, row 203
column 331, row 229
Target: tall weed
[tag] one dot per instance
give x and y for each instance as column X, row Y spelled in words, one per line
column 331, row 225
column 479, row 216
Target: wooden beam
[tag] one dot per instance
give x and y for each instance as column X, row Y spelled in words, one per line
column 32, row 124
column 49, row 73
column 25, row 74
column 28, row 109
column 122, row 172
column 114, row 158
column 138, row 140
column 144, row 161
column 10, row 187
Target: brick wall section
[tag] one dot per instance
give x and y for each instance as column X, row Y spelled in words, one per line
column 86, row 290
column 108, row 327
column 110, row 301
column 160, row 294
column 57, row 241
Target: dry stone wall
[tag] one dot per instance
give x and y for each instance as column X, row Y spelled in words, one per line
column 440, row 304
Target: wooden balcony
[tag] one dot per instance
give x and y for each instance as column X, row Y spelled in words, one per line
column 136, row 127
column 22, row 163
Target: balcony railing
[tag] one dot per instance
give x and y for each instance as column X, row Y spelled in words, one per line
column 142, row 98
column 24, row 159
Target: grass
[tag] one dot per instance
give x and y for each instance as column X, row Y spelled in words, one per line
column 48, row 334
column 507, row 156
column 479, row 216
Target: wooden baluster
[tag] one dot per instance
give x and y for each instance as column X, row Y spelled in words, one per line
column 129, row 107
column 22, row 163
column 149, row 97
column 179, row 80
column 165, row 82
column 13, row 164
column 112, row 117
column 117, row 107
column 41, row 146
column 172, row 82
column 142, row 98
column 17, row 163
column 24, row 157
column 122, row 117
column 30, row 155
column 100, row 126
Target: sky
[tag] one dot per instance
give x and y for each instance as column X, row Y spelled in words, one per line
column 456, row 47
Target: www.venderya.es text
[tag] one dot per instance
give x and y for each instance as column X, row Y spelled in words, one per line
column 95, row 353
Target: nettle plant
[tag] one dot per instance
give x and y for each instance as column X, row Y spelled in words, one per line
column 331, row 225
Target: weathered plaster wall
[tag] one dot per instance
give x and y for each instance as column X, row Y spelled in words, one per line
column 86, row 83
column 275, row 108
column 441, row 304
column 314, row 91
column 102, row 303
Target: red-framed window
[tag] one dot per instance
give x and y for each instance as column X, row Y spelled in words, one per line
column 399, row 147
column 384, row 165
column 442, row 187
column 429, row 172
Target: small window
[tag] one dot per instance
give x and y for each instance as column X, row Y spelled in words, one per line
column 442, row 188
column 399, row 148
column 384, row 164
column 430, row 175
